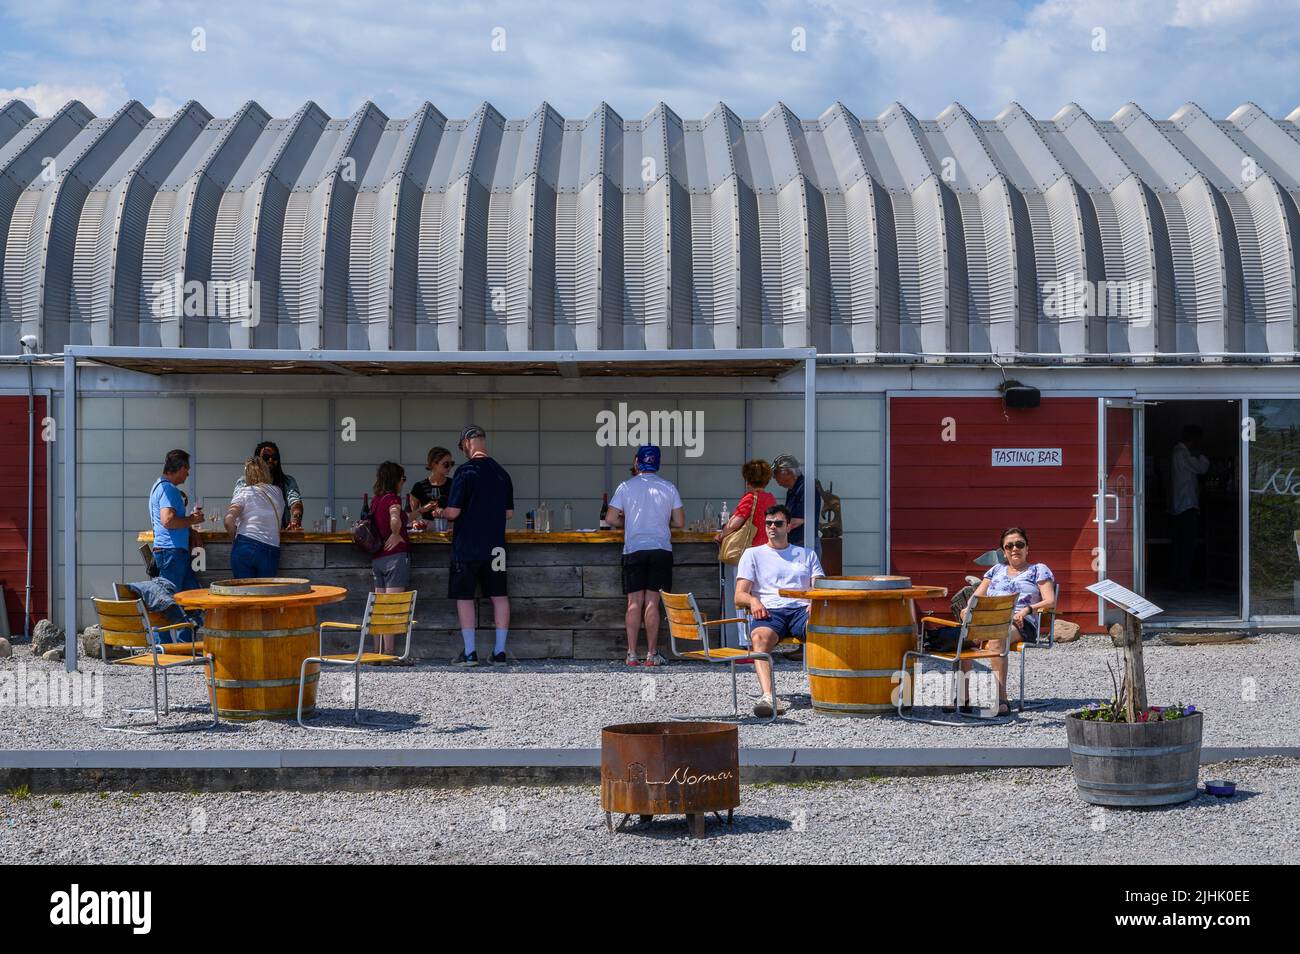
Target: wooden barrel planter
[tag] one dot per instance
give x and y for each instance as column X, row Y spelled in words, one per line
column 1138, row 765
column 669, row 768
column 259, row 632
column 855, row 647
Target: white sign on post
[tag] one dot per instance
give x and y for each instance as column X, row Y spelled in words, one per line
column 1127, row 600
column 1026, row 456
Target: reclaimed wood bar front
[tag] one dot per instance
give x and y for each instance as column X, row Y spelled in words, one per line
column 566, row 590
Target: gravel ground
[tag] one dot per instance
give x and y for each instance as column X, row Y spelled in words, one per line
column 1247, row 690
column 888, row 820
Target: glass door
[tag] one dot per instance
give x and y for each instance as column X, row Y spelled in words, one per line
column 1119, row 499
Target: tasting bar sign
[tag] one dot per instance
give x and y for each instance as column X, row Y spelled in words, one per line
column 1026, row 456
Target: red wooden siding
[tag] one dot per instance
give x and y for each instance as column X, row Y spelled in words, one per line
column 13, row 513
column 948, row 504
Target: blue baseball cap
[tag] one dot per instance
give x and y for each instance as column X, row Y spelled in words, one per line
column 647, row 458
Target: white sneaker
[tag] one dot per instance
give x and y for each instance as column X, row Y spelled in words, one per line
column 765, row 704
column 655, row 659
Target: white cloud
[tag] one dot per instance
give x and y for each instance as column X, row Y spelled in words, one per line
column 48, row 98
column 1194, row 13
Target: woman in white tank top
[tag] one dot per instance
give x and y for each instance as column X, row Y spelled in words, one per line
column 253, row 521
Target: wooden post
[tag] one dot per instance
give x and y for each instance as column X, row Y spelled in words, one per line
column 1135, row 677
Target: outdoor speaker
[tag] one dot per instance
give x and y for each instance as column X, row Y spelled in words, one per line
column 1021, row 396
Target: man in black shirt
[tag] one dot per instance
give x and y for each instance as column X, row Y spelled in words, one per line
column 482, row 499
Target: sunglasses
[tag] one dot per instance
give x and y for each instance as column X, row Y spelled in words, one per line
column 270, row 458
column 1015, row 545
column 774, row 523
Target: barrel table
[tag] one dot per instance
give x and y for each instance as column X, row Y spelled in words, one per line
column 258, row 633
column 859, row 627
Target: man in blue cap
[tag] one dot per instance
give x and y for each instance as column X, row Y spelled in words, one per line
column 648, row 508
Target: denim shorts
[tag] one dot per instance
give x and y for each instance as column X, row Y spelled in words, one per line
column 788, row 622
column 392, row 572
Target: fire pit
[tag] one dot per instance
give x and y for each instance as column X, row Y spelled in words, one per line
column 669, row 768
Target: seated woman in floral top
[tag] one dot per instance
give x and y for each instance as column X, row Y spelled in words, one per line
column 1032, row 584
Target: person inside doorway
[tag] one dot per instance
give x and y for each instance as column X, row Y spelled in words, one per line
column 1186, row 466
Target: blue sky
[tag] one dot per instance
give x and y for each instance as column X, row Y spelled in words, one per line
column 690, row 55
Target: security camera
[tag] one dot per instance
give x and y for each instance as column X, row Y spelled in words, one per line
column 28, row 342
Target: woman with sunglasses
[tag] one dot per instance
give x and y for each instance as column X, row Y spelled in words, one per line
column 1032, row 584
column 291, row 519
column 429, row 496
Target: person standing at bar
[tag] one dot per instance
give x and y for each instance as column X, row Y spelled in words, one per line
column 253, row 522
column 649, row 508
column 751, row 507
column 391, row 566
column 481, row 500
column 788, row 473
column 429, row 496
column 291, row 519
column 171, row 525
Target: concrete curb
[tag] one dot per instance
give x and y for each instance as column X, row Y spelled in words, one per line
column 63, row 770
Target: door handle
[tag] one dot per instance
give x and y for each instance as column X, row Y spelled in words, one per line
column 1115, row 497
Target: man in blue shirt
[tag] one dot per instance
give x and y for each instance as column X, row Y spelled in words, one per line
column 482, row 499
column 171, row 525
column 789, row 474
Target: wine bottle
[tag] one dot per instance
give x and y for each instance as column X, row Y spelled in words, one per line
column 365, row 506
column 604, row 511
column 568, row 516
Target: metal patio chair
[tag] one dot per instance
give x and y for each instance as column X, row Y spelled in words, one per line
column 159, row 623
column 988, row 618
column 1046, row 621
column 686, row 623
column 387, row 614
column 126, row 623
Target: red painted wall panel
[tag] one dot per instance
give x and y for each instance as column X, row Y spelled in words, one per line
column 13, row 512
column 948, row 503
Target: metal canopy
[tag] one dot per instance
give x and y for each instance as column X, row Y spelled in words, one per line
column 748, row 362
column 753, row 362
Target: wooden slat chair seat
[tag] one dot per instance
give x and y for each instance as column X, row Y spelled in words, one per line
column 987, row 618
column 126, row 623
column 685, row 623
column 159, row 622
column 386, row 614
column 1047, row 625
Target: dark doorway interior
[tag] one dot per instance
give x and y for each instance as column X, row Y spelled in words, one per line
column 1193, row 562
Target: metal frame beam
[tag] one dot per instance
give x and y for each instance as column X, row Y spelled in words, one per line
column 68, row 429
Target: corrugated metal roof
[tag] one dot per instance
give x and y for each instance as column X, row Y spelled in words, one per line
column 949, row 238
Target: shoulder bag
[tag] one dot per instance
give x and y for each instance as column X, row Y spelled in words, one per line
column 734, row 544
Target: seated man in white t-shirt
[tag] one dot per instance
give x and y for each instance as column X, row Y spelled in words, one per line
column 776, row 565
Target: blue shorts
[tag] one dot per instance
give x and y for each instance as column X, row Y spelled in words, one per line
column 788, row 622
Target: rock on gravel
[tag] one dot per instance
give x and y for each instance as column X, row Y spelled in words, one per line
column 46, row 636
column 6, row 650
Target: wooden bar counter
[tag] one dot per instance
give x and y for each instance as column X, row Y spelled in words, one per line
column 566, row 590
